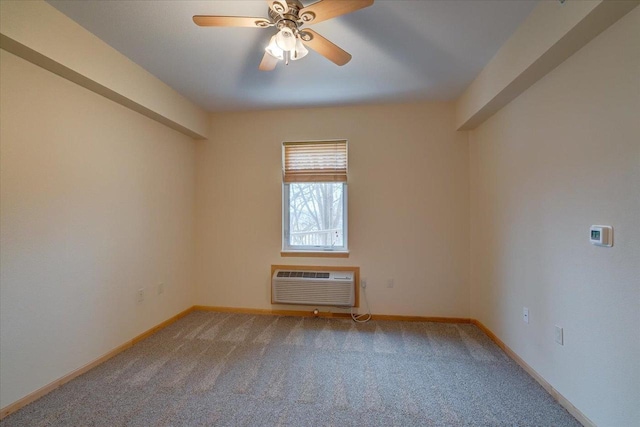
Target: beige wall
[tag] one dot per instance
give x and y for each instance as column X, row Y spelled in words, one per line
column 97, row 201
column 561, row 157
column 42, row 34
column 408, row 205
column 552, row 32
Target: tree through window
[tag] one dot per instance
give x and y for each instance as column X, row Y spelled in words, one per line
column 314, row 196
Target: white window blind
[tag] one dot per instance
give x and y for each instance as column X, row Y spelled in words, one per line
column 324, row 161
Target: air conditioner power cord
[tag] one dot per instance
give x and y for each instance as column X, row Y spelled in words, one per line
column 364, row 317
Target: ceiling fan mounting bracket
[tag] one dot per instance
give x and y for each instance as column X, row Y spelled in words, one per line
column 305, row 36
column 308, row 17
column 279, row 6
column 263, row 23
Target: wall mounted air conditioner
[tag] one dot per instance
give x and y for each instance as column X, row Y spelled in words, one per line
column 332, row 288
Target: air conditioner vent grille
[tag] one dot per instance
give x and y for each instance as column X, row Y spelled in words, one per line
column 331, row 288
column 305, row 274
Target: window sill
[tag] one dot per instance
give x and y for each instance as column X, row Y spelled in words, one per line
column 315, row 254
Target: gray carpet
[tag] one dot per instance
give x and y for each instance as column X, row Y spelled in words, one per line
column 224, row 369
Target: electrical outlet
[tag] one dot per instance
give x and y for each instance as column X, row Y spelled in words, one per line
column 160, row 288
column 363, row 283
column 390, row 283
column 559, row 335
column 140, row 295
column 525, row 314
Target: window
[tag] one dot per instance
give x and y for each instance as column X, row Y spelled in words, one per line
column 314, row 196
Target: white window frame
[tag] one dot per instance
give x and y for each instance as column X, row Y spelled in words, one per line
column 286, row 247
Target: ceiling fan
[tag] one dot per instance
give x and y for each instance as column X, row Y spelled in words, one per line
column 288, row 16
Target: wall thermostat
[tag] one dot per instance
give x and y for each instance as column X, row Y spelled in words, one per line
column 601, row 235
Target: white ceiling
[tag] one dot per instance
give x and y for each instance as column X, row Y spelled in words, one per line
column 402, row 50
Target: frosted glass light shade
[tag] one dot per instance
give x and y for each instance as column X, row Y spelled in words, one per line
column 285, row 39
column 299, row 52
column 273, row 49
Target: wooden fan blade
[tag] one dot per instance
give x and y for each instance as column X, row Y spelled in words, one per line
column 268, row 62
column 324, row 47
column 327, row 9
column 231, row 21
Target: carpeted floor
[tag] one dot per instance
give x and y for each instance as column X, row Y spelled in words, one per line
column 223, row 369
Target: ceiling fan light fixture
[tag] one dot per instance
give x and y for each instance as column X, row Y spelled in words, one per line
column 290, row 43
column 274, row 50
column 300, row 51
column 285, row 39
